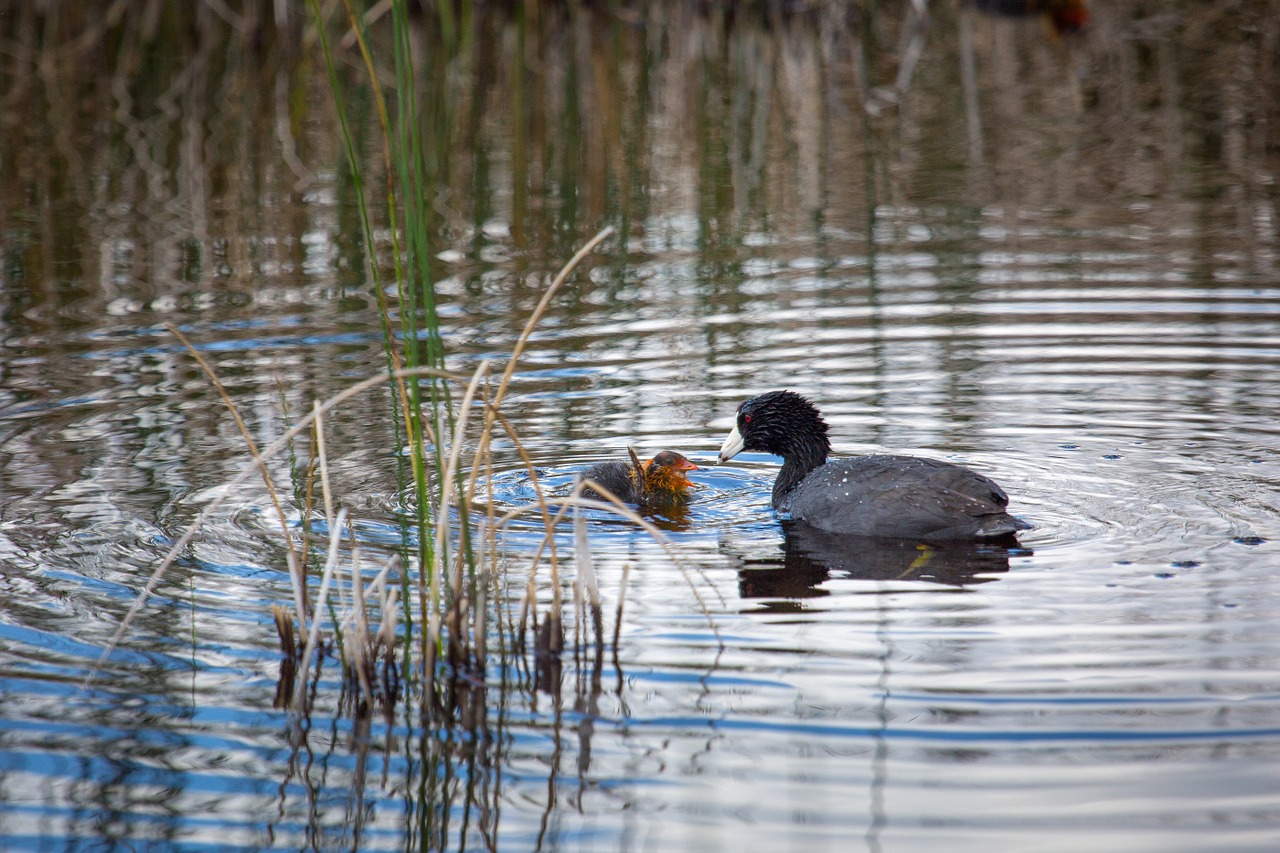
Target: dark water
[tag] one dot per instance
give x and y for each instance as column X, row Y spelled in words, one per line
column 1051, row 257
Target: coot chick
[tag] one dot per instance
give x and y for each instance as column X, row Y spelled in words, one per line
column 900, row 497
column 661, row 481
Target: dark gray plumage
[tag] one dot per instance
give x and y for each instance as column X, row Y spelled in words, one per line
column 901, row 497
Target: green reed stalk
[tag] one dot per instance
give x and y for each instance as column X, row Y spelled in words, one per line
column 420, row 322
column 362, row 207
column 403, row 174
column 419, row 344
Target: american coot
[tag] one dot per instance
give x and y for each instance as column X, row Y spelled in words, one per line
column 899, row 497
column 661, row 481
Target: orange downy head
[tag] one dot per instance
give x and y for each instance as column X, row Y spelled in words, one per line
column 665, row 473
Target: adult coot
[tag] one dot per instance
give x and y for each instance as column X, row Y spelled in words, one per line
column 661, row 481
column 901, row 497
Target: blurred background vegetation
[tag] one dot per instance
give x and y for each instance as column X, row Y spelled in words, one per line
column 556, row 116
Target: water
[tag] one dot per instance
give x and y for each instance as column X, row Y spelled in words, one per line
column 1070, row 286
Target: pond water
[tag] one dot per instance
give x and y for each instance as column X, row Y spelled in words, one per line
column 1050, row 256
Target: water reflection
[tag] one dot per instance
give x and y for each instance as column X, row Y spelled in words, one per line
column 810, row 557
column 1056, row 258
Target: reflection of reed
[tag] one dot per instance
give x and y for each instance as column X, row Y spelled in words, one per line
column 182, row 156
column 452, row 785
column 759, row 109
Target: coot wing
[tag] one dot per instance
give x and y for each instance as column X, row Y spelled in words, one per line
column 901, row 496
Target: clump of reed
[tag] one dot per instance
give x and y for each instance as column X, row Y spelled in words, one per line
column 452, row 599
column 435, row 608
column 457, row 566
column 441, row 611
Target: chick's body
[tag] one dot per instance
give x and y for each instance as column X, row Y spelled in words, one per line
column 657, row 482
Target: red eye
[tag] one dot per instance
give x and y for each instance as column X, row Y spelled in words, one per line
column 746, row 419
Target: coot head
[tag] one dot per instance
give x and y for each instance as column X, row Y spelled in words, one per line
column 670, row 459
column 782, row 423
column 664, row 476
column 659, row 480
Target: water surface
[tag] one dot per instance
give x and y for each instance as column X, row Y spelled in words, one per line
column 1051, row 257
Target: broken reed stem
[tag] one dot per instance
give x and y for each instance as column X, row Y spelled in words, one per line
column 480, row 620
column 363, row 644
column 449, row 486
column 298, row 584
column 322, row 456
column 388, row 603
column 586, row 565
column 579, row 619
column 320, row 462
column 586, row 572
column 308, row 510
column 358, row 639
column 285, row 631
column 313, row 638
column 491, row 543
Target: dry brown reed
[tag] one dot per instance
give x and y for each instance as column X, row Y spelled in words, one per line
column 457, row 591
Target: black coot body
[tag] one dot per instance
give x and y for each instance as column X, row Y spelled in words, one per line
column 900, row 497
